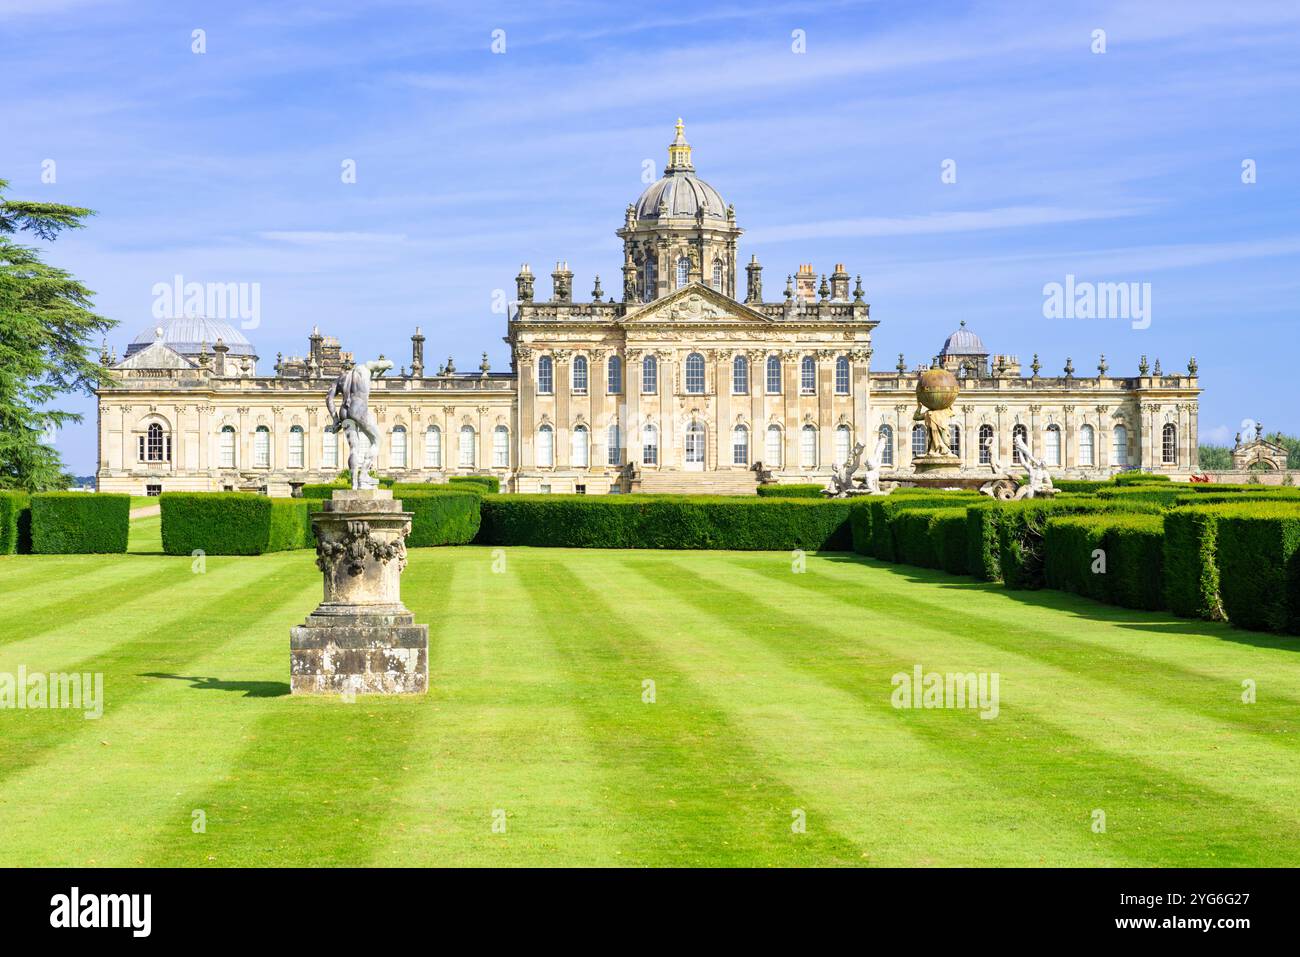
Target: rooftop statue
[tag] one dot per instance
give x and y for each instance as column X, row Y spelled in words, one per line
column 354, row 418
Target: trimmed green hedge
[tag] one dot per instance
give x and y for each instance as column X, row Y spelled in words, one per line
column 884, row 508
column 794, row 490
column 15, row 523
column 948, row 537
column 1115, row 558
column 686, row 521
column 860, row 525
column 1087, row 486
column 1139, row 478
column 1191, row 569
column 1259, row 566
column 442, row 518
column 911, row 533
column 439, row 488
column 233, row 523
column 1163, row 495
column 489, row 482
column 79, row 523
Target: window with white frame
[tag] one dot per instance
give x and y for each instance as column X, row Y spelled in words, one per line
column 740, row 445
column 717, row 274
column 649, row 445
column 262, row 448
column 226, row 453
column 807, row 375
column 887, row 456
column 614, row 378
column 580, row 374
column 397, row 447
column 739, row 376
column 579, row 447
column 545, row 453
column 1169, row 444
column 501, row 447
column 1020, row 432
column 842, row 375
column 808, row 447
column 329, row 449
column 843, row 444
column 614, row 445
column 433, row 447
column 683, row 271
column 695, row 374
column 651, row 290
column 1087, row 445
column 918, row 441
column 296, row 443
column 545, row 375
column 773, row 375
column 154, row 446
column 468, row 447
column 986, row 444
column 1052, row 445
column 1119, row 446
column 773, row 447
column 650, row 375
column 954, row 439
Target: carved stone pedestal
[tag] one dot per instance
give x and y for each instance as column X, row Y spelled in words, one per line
column 931, row 463
column 361, row 638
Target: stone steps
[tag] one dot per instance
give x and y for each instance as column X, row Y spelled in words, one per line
column 697, row 483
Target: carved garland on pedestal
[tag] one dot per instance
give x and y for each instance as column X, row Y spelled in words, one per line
column 355, row 545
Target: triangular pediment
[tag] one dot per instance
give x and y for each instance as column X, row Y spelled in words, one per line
column 695, row 303
column 156, row 356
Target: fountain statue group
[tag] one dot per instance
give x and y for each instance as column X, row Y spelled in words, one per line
column 841, row 484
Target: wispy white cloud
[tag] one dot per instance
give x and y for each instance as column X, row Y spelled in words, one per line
column 318, row 237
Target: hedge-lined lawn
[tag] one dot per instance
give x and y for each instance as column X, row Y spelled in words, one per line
column 772, row 694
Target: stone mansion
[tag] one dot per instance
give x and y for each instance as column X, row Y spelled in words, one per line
column 678, row 383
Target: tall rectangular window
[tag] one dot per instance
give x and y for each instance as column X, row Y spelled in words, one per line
column 329, row 458
column 295, row 447
column 433, row 447
column 227, row 448
column 773, row 375
column 501, row 447
column 650, row 375
column 262, row 448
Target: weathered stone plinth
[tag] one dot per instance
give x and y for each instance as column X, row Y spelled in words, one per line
column 931, row 464
column 361, row 638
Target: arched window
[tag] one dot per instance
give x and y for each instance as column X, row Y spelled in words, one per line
column 501, row 447
column 545, row 375
column 843, row 444
column 954, row 439
column 262, row 448
column 808, row 447
column 774, row 447
column 1052, row 445
column 1087, row 446
column 295, row 446
column 918, row 441
column 651, row 279
column 1022, row 433
column 545, row 454
column 740, row 445
column 614, row 444
column 887, row 456
column 986, row 445
column 695, row 444
column 649, row 445
column 1119, row 446
column 1169, row 444
column 842, row 375
column 773, row 375
column 615, row 377
column 739, row 376
column 579, row 447
column 580, row 374
column 433, row 447
column 329, row 450
column 717, row 274
column 695, row 374
column 156, row 448
column 468, row 447
column 650, row 375
column 397, row 447
column 683, row 271
column 807, row 375
column 227, row 447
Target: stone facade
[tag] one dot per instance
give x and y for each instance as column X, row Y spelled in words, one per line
column 679, row 384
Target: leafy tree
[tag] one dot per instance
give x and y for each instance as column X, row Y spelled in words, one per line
column 45, row 327
column 1292, row 445
column 1215, row 457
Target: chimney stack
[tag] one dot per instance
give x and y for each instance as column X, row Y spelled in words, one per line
column 417, row 355
column 562, row 283
column 753, row 281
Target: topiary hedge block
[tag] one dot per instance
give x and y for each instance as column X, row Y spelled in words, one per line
column 79, row 523
column 947, row 531
column 1191, row 572
column 1258, row 557
column 799, row 490
column 1139, row 478
column 912, row 542
column 442, row 518
column 489, row 482
column 233, row 523
column 15, row 523
column 688, row 521
column 1111, row 557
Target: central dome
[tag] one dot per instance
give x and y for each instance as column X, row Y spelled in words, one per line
column 189, row 335
column 679, row 189
column 963, row 342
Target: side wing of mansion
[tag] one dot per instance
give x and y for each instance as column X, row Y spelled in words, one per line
column 676, row 385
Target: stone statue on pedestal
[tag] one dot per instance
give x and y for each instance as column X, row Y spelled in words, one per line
column 354, row 418
column 1040, row 481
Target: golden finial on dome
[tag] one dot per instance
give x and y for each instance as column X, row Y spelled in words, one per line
column 679, row 151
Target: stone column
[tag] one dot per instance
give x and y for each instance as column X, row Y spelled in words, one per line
column 825, row 408
column 721, row 444
column 629, row 419
column 790, row 388
column 670, row 454
column 563, row 390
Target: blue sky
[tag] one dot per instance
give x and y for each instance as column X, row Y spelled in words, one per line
column 1123, row 166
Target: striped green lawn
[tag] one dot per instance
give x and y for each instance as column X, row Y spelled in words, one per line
column 772, row 697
